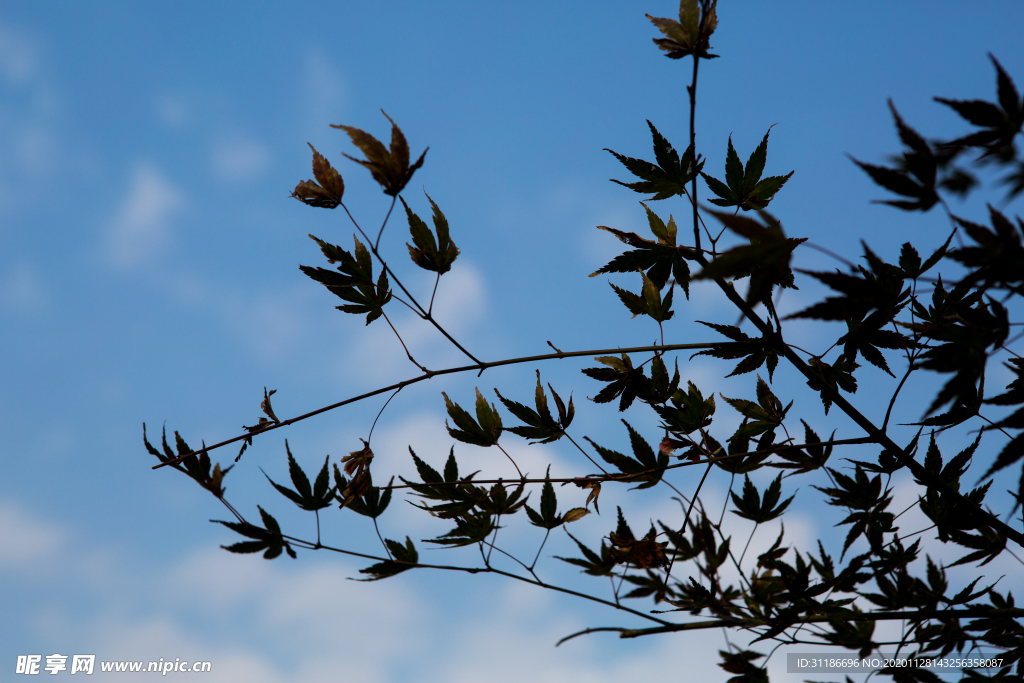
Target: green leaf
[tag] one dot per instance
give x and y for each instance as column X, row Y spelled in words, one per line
column 405, row 557
column 660, row 258
column 267, row 539
column 428, row 253
column 353, row 280
column 644, row 467
column 547, row 517
column 760, row 509
column 484, row 431
column 593, row 563
column 669, row 177
column 540, row 424
column 472, row 527
column 196, row 466
column 743, row 187
column 649, row 302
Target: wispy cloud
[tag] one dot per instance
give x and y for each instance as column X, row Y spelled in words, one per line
column 239, row 159
column 19, row 55
column 21, row 289
column 25, row 540
column 323, row 91
column 142, row 225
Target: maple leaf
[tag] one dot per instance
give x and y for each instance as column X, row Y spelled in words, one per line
column 669, row 177
column 915, row 175
column 353, row 279
column 391, row 167
column 328, row 193
column 754, row 352
column 540, row 424
column 430, row 254
column 743, row 186
column 1000, row 123
column 765, row 260
column 484, row 431
column 267, row 539
column 405, row 557
column 659, row 258
column 625, row 381
column 689, row 35
column 305, row 496
column 648, row 302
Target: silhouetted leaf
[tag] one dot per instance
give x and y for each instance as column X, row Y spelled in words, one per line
column 743, row 187
column 391, row 167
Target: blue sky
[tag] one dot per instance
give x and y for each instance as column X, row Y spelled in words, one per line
column 148, row 272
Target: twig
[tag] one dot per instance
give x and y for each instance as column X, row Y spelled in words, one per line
column 447, row 371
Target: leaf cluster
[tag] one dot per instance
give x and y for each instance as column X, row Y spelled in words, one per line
column 628, row 383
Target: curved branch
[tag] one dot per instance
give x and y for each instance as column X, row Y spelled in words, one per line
column 448, row 371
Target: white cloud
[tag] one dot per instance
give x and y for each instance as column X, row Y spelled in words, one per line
column 238, row 159
column 35, row 149
column 460, row 307
column 171, row 110
column 21, row 289
column 268, row 323
column 25, row 540
column 270, row 622
column 141, row 228
column 19, row 56
column 324, row 92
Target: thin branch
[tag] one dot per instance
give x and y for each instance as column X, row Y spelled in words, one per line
column 749, row 539
column 390, row 209
column 892, row 401
column 917, row 615
column 521, row 476
column 692, row 91
column 569, row 591
column 447, row 371
column 536, row 557
column 682, row 530
column 377, row 529
column 400, row 341
column 381, row 412
column 596, row 463
column 423, row 313
column 598, row 629
column 433, row 294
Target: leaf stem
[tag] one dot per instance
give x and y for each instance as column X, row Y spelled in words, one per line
column 682, row 530
column 390, row 209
